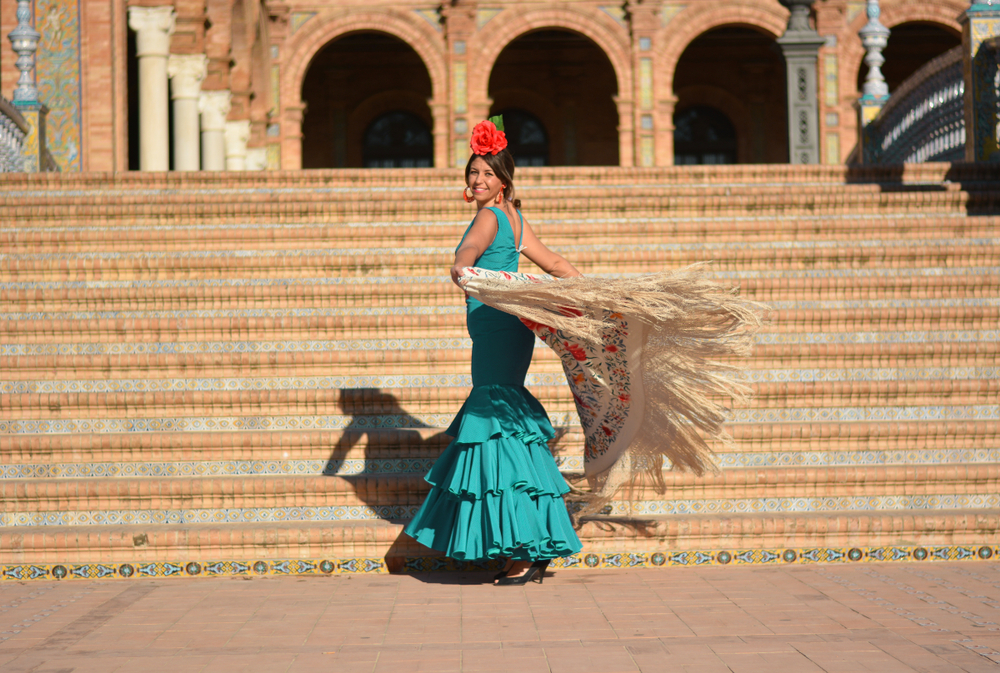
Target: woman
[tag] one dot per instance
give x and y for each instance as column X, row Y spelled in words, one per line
column 496, row 491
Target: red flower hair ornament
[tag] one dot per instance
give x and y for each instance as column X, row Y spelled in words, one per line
column 488, row 137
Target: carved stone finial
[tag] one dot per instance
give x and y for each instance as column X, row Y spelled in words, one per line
column 24, row 42
column 874, row 37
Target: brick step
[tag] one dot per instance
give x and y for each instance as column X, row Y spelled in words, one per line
column 737, row 232
column 348, row 452
column 607, row 260
column 909, row 176
column 171, row 403
column 386, row 291
column 446, row 196
column 816, row 536
column 448, row 326
column 320, row 208
column 99, row 360
column 611, row 261
column 395, row 496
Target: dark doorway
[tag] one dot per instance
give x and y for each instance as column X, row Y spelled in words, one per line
column 132, row 89
column 703, row 135
column 398, row 139
column 360, row 87
column 528, row 141
column 740, row 73
column 565, row 83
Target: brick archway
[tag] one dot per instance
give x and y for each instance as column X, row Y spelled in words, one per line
column 329, row 26
column 592, row 25
column 689, row 24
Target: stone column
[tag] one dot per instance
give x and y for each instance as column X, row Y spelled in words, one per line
column 981, row 53
column 665, row 131
column 237, row 136
column 626, row 132
column 800, row 45
column 291, row 136
column 153, row 27
column 440, row 113
column 186, row 74
column 214, row 106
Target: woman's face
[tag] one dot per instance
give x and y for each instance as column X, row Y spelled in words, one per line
column 483, row 182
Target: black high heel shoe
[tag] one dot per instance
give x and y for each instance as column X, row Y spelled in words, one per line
column 535, row 571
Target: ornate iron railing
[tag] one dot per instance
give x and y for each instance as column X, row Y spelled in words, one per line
column 13, row 129
column 924, row 119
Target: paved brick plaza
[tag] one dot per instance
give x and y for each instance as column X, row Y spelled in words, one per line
column 901, row 617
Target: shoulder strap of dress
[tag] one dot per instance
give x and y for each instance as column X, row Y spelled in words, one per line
column 520, row 248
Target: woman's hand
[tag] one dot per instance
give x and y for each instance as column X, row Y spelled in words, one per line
column 456, row 273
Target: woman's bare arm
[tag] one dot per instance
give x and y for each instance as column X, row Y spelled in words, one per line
column 550, row 262
column 480, row 237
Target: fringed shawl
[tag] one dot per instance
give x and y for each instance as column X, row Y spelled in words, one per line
column 649, row 361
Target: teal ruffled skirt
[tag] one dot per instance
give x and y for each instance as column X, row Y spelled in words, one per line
column 496, row 490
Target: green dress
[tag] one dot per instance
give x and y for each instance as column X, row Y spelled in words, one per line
column 496, row 490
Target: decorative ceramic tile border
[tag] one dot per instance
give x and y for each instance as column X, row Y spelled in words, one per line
column 835, row 217
column 409, row 381
column 563, row 249
column 420, row 466
column 341, row 422
column 457, row 343
column 23, row 572
column 897, row 503
column 59, row 80
column 980, row 302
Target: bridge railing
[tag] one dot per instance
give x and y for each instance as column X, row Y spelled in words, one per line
column 924, row 119
column 13, row 130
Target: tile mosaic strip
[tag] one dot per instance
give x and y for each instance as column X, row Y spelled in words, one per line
column 976, row 302
column 184, row 347
column 812, row 504
column 929, row 502
column 338, row 422
column 465, row 380
column 563, row 249
column 744, row 274
column 187, row 568
column 419, row 466
column 263, row 225
column 213, row 516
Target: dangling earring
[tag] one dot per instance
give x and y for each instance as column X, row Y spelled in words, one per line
column 500, row 195
column 468, row 194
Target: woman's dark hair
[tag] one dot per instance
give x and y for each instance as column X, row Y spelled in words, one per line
column 502, row 164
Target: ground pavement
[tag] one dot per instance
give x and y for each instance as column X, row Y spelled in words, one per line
column 937, row 618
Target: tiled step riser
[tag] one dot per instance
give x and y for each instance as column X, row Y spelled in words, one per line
column 337, row 328
column 917, row 536
column 388, row 490
column 603, row 262
column 557, row 398
column 219, row 363
column 734, row 233
column 870, row 439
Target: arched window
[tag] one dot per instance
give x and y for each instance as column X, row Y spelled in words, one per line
column 398, row 139
column 526, row 138
column 703, row 135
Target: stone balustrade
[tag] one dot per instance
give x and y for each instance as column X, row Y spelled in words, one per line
column 13, row 129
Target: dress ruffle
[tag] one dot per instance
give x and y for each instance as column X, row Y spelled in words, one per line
column 496, row 490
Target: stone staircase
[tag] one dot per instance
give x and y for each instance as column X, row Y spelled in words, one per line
column 217, row 374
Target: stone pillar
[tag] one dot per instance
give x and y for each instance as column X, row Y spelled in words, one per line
column 981, row 52
column 291, row 136
column 875, row 92
column 214, row 106
column 153, row 27
column 186, row 74
column 440, row 113
column 626, row 132
column 237, row 136
column 800, row 45
column 665, row 131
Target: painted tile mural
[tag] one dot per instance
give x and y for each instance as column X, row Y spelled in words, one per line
column 59, row 85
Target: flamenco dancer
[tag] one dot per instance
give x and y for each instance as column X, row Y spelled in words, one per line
column 650, row 360
column 496, row 491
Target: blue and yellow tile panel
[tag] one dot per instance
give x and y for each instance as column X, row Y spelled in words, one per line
column 583, row 561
